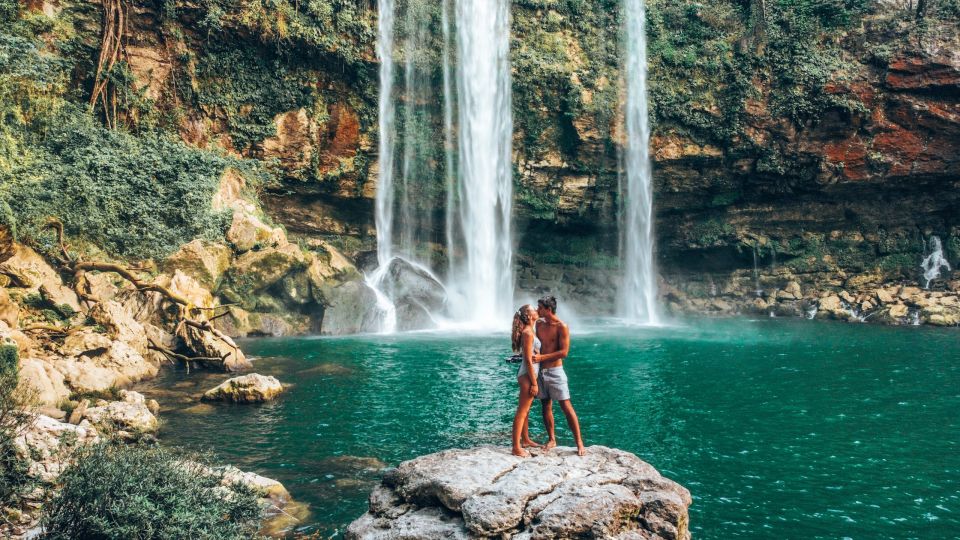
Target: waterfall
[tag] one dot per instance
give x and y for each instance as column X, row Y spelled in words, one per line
column 385, row 193
column 482, row 275
column 448, row 143
column 639, row 287
column 756, row 273
column 477, row 178
column 933, row 262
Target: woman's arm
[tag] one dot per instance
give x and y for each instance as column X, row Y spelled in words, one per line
column 527, row 344
column 564, row 347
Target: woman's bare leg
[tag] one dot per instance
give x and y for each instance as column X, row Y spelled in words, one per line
column 520, row 418
column 525, row 439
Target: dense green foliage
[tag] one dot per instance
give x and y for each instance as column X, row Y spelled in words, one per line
column 14, row 481
column 342, row 29
column 566, row 61
column 116, row 491
column 137, row 196
column 133, row 196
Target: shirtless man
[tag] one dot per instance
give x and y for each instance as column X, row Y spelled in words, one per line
column 554, row 337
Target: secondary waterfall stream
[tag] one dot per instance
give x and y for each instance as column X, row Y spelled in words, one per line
column 476, row 182
column 639, row 285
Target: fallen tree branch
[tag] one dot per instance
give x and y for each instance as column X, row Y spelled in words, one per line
column 183, row 358
column 52, row 328
column 185, row 309
column 133, row 279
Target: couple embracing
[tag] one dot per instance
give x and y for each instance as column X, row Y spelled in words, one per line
column 543, row 341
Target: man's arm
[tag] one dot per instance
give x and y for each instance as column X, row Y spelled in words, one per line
column 564, row 347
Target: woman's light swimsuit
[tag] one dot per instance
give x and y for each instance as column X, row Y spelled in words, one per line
column 522, row 372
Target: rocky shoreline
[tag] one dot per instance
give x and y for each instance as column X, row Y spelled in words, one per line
column 51, row 445
column 868, row 302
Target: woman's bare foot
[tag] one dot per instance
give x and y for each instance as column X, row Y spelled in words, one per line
column 521, row 452
column 550, row 444
column 530, row 443
column 581, row 451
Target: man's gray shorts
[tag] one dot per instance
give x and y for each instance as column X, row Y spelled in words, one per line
column 553, row 384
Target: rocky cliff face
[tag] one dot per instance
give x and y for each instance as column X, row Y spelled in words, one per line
column 816, row 146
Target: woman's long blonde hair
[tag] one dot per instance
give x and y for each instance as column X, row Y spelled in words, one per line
column 520, row 321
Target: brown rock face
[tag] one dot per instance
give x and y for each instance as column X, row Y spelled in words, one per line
column 916, row 72
column 293, row 146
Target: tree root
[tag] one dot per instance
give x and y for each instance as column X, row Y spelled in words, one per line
column 183, row 358
column 194, row 340
column 111, row 47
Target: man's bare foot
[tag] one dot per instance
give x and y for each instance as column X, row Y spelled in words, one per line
column 581, row 451
column 550, row 444
column 530, row 443
column 520, row 452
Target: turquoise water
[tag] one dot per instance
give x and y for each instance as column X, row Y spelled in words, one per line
column 780, row 429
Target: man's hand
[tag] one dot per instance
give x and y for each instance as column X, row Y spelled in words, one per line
column 534, row 390
column 535, row 359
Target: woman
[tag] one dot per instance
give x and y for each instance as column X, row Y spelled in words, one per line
column 524, row 340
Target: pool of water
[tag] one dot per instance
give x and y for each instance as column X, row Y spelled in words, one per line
column 779, row 428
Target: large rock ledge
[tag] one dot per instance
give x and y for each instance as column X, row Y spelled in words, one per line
column 486, row 492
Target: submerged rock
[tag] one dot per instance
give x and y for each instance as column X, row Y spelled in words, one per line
column 486, row 492
column 351, row 308
column 252, row 388
column 415, row 292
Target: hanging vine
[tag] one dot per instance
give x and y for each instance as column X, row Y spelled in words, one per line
column 111, row 50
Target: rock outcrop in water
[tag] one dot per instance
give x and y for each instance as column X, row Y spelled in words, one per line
column 486, row 492
column 251, row 388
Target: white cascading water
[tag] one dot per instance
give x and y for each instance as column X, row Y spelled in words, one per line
column 933, row 262
column 639, row 286
column 481, row 282
column 478, row 181
column 387, row 143
column 450, row 167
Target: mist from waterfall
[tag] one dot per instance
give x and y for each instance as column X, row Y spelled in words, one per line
column 476, row 182
column 639, row 286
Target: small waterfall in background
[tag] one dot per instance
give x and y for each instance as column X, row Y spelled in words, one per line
column 756, row 273
column 481, row 282
column 933, row 262
column 476, row 182
column 639, row 288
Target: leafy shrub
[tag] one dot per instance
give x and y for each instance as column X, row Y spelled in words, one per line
column 117, row 491
column 134, row 196
column 14, row 480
